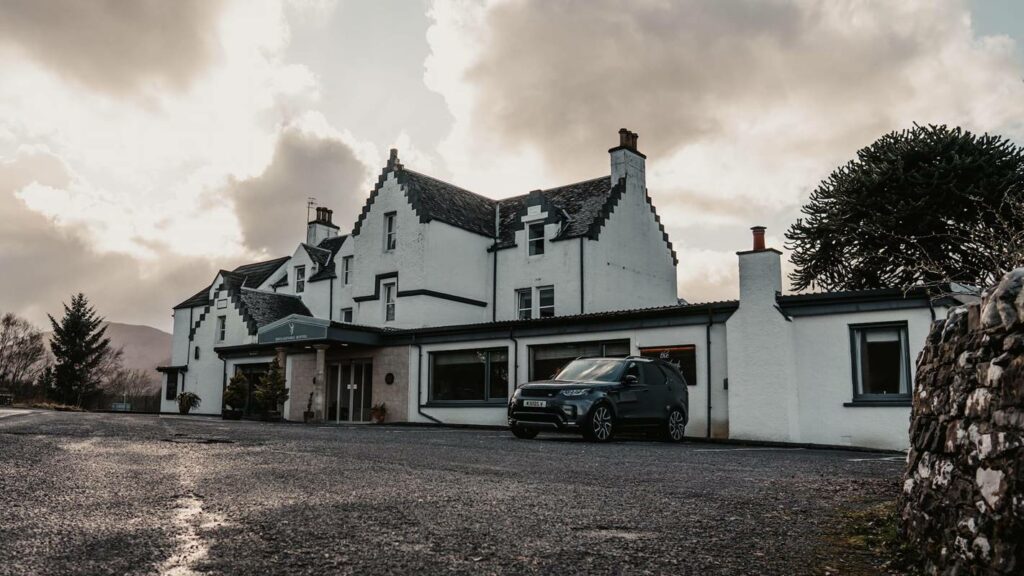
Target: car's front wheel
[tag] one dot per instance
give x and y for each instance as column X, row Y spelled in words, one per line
column 524, row 433
column 600, row 426
column 675, row 426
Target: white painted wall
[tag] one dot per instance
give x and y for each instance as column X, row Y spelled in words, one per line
column 762, row 393
column 630, row 265
column 408, row 257
column 559, row 266
column 825, row 380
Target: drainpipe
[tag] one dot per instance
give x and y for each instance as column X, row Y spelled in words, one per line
column 330, row 302
column 581, row 274
column 707, row 349
column 223, row 382
column 494, row 282
column 419, row 384
column 515, row 359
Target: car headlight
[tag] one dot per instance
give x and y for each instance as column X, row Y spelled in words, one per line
column 576, row 392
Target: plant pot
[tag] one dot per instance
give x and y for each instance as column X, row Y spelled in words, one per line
column 231, row 414
column 271, row 416
column 308, row 416
column 184, row 409
column 377, row 417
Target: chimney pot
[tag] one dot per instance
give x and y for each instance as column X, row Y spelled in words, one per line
column 758, row 238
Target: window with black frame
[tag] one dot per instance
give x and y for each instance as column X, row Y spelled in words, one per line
column 172, row 385
column 881, row 362
column 546, row 360
column 469, row 375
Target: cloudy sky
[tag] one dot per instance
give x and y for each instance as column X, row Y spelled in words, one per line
column 146, row 144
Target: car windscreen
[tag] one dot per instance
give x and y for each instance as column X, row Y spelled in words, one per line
column 592, row 370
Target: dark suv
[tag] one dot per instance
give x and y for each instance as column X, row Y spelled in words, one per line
column 600, row 396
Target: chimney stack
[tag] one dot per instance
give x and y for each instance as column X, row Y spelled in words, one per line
column 758, row 238
column 627, row 161
column 321, row 227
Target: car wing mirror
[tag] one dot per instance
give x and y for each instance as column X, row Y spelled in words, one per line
column 630, row 380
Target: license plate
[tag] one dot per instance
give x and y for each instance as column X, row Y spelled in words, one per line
column 535, row 403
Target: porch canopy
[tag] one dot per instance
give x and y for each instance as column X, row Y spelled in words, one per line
column 297, row 331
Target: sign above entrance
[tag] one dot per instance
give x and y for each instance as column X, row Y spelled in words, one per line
column 293, row 329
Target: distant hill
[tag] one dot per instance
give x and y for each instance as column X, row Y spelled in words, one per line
column 144, row 347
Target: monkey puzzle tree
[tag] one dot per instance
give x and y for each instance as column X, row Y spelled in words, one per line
column 930, row 206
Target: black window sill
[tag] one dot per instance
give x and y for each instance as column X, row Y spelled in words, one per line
column 904, row 403
column 466, row 404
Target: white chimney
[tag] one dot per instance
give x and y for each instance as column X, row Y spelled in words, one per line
column 760, row 271
column 627, row 161
column 321, row 227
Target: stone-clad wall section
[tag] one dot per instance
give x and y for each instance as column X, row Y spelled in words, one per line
column 962, row 505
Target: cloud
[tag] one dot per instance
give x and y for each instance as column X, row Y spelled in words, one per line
column 271, row 207
column 117, row 47
column 44, row 263
column 742, row 107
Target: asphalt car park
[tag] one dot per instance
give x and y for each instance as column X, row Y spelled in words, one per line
column 124, row 494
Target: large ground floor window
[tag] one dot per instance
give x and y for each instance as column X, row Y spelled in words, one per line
column 683, row 356
column 479, row 375
column 547, row 359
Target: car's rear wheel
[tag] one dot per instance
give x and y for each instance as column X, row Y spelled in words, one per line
column 524, row 433
column 675, row 426
column 600, row 426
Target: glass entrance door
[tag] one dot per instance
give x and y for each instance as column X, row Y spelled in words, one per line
column 350, row 394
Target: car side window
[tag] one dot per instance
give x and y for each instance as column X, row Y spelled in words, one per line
column 632, row 370
column 653, row 375
column 675, row 378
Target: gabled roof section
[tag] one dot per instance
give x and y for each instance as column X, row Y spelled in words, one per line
column 201, row 298
column 256, row 274
column 259, row 308
column 434, row 199
column 333, row 244
column 250, row 275
column 582, row 207
column 319, row 256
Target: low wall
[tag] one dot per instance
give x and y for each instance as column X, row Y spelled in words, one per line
column 962, row 504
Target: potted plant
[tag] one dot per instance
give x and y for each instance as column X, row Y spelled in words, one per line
column 271, row 392
column 187, row 401
column 378, row 412
column 234, row 396
column 308, row 416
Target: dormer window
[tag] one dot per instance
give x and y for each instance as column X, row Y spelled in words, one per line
column 535, row 238
column 300, row 279
column 390, row 231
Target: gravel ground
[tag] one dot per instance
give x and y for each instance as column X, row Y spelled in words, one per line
column 125, row 494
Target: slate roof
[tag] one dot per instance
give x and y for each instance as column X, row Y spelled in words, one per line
column 329, row 246
column 434, row 199
column 260, row 308
column 582, row 206
column 333, row 244
column 320, row 256
column 249, row 275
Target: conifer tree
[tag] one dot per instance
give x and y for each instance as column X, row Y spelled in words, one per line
column 80, row 349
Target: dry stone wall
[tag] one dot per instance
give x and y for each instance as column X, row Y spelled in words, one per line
column 962, row 504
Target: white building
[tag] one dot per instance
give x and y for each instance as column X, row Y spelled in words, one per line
column 441, row 301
